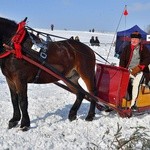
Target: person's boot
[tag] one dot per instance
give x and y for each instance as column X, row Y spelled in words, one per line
column 134, row 107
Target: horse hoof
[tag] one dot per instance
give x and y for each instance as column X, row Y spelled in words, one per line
column 12, row 124
column 25, row 128
column 72, row 115
column 71, row 118
column 89, row 118
column 108, row 110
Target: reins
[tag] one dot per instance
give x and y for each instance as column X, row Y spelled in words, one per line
column 5, row 54
column 44, row 34
column 52, row 35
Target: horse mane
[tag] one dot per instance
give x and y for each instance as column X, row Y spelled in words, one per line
column 7, row 26
column 7, row 30
column 7, row 21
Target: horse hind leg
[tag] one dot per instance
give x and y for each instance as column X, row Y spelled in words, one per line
column 89, row 80
column 91, row 113
column 73, row 111
column 79, row 96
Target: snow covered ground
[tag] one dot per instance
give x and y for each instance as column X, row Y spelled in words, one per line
column 48, row 109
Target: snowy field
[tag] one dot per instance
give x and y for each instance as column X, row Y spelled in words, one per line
column 49, row 106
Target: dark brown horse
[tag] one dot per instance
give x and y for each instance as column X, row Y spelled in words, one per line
column 71, row 58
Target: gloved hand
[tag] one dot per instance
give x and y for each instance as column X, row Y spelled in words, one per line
column 135, row 70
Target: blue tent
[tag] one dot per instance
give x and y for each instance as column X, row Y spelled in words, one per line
column 123, row 38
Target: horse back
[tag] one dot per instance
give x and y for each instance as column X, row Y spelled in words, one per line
column 70, row 52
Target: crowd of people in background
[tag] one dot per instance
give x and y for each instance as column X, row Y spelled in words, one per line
column 94, row 41
column 93, row 30
column 76, row 38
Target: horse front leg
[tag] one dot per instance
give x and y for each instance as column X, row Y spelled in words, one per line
column 16, row 110
column 23, row 103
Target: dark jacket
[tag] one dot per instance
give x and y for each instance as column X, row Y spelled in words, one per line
column 92, row 41
column 96, row 41
column 144, row 52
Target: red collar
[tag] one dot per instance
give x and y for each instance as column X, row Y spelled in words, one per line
column 18, row 38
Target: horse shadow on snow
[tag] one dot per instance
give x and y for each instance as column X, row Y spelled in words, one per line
column 62, row 115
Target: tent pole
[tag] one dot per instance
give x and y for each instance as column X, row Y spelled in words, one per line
column 114, row 36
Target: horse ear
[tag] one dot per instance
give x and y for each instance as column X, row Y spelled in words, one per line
column 25, row 19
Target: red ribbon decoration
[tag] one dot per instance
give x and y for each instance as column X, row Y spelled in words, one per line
column 125, row 11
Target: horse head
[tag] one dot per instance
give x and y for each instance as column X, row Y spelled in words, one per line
column 7, row 29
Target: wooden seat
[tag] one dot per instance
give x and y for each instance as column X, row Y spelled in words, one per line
column 142, row 100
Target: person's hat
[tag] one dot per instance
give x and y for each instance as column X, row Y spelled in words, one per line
column 136, row 34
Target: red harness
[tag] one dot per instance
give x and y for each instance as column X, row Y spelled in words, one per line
column 6, row 53
column 16, row 40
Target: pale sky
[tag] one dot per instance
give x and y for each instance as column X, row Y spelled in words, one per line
column 102, row 15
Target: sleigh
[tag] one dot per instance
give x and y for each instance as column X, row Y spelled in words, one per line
column 112, row 83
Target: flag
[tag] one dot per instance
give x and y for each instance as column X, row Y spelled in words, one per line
column 125, row 11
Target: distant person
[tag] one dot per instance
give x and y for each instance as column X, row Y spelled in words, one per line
column 93, row 30
column 48, row 39
column 38, row 34
column 96, row 41
column 77, row 39
column 72, row 38
column 92, row 41
column 52, row 27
